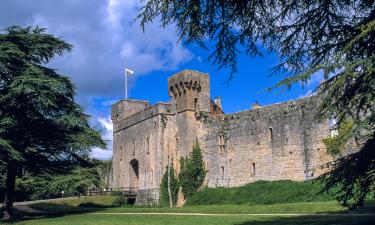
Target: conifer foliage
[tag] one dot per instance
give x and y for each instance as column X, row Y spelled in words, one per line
column 192, row 172
column 42, row 128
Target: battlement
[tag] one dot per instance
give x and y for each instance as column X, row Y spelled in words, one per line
column 187, row 80
column 190, row 90
column 147, row 113
column 127, row 107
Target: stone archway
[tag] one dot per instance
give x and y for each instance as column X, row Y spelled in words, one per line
column 134, row 174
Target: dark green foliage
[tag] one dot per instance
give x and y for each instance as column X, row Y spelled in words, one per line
column 2, row 177
column 42, row 129
column 262, row 192
column 355, row 175
column 75, row 182
column 192, row 172
column 91, row 205
column 164, row 198
column 104, row 168
column 120, row 200
column 335, row 38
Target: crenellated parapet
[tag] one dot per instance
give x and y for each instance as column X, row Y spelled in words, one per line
column 186, row 81
column 190, row 90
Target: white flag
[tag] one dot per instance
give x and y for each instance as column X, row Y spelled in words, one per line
column 128, row 71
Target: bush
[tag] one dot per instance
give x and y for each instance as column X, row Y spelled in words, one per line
column 262, row 192
column 91, row 205
column 121, row 200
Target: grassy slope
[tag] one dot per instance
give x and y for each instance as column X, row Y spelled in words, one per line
column 262, row 192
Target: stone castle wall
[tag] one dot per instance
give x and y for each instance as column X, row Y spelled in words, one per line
column 280, row 141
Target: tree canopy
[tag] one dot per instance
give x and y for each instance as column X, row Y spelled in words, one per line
column 333, row 37
column 42, row 128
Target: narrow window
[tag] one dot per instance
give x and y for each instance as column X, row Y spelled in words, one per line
column 121, row 153
column 222, row 171
column 271, row 134
column 152, row 177
column 177, row 143
column 253, row 164
column 148, row 145
column 221, row 142
column 195, row 104
column 133, row 152
column 145, row 178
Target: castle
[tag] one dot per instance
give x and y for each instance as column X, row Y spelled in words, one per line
column 279, row 141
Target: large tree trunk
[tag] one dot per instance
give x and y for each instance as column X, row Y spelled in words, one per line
column 9, row 192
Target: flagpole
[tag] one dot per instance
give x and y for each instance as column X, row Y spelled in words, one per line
column 126, row 84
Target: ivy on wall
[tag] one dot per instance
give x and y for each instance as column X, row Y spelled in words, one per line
column 335, row 144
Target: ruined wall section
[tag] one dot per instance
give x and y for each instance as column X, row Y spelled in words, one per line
column 280, row 141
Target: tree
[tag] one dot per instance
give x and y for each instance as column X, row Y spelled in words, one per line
column 42, row 129
column 104, row 168
column 169, row 188
column 192, row 172
column 332, row 37
column 47, row 185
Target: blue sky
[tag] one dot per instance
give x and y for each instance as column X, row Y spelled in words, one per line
column 106, row 39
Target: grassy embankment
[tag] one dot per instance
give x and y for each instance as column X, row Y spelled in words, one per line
column 263, row 192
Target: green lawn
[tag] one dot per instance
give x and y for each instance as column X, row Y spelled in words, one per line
column 89, row 219
column 77, row 212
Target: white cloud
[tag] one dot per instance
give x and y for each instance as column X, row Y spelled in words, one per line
column 154, row 49
column 106, row 39
column 127, row 50
column 107, row 126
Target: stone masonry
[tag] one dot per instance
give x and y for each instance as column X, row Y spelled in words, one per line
column 275, row 142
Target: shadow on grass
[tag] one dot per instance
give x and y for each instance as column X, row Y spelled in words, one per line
column 51, row 210
column 368, row 209
column 362, row 216
column 316, row 220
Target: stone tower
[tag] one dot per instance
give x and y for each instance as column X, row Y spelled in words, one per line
column 190, row 93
